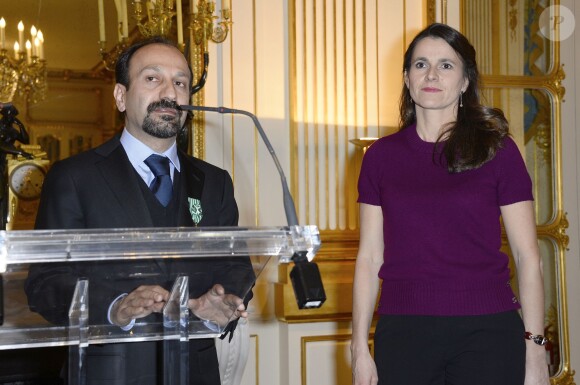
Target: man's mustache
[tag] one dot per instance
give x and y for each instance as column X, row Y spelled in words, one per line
column 163, row 103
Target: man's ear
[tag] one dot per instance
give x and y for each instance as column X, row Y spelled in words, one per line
column 119, row 95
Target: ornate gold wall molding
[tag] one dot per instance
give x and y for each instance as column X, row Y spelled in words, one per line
column 256, row 339
column 431, row 11
column 431, row 6
column 513, row 18
column 99, row 77
column 85, row 106
column 556, row 230
column 197, row 141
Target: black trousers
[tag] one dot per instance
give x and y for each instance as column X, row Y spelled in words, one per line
column 140, row 363
column 462, row 350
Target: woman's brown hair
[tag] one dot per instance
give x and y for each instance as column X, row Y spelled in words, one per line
column 474, row 138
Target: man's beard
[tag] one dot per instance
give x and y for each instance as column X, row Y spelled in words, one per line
column 166, row 126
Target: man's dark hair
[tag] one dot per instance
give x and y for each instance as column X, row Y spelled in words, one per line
column 124, row 61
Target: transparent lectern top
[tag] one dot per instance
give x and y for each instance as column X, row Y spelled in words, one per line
column 36, row 246
column 68, row 278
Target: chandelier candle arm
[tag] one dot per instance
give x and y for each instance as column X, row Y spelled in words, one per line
column 2, row 33
column 155, row 18
column 119, row 20
column 125, row 20
column 41, row 39
column 21, row 34
column 24, row 72
column 28, row 52
column 179, row 23
column 102, row 36
column 203, row 26
column 33, row 33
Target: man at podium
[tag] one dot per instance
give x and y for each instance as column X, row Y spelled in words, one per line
column 141, row 179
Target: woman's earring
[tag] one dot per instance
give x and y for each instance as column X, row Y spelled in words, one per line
column 461, row 99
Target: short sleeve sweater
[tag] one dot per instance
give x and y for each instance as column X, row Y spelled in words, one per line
column 442, row 231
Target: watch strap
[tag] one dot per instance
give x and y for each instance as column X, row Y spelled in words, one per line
column 538, row 339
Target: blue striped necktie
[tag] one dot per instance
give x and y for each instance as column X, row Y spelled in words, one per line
column 161, row 185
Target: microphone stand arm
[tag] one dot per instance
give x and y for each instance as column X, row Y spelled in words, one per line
column 305, row 275
column 289, row 206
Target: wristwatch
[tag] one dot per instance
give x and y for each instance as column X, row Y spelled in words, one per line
column 537, row 338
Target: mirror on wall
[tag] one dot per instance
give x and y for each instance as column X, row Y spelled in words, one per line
column 530, row 115
column 521, row 75
column 517, row 27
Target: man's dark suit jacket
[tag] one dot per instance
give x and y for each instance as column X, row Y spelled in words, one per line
column 100, row 189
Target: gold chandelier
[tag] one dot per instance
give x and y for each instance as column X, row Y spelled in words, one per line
column 23, row 71
column 155, row 18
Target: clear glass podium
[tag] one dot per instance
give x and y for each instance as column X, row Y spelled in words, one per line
column 69, row 278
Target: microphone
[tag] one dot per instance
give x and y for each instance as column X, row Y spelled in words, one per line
column 289, row 207
column 305, row 276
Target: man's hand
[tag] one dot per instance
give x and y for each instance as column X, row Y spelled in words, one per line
column 138, row 304
column 217, row 306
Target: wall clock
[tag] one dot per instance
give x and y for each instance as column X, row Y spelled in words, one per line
column 25, row 180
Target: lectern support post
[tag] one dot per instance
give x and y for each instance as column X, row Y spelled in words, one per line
column 78, row 330
column 176, row 323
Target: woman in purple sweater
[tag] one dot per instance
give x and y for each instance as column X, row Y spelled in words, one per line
column 431, row 197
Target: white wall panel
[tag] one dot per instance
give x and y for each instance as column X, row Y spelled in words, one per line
column 345, row 82
column 317, row 73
